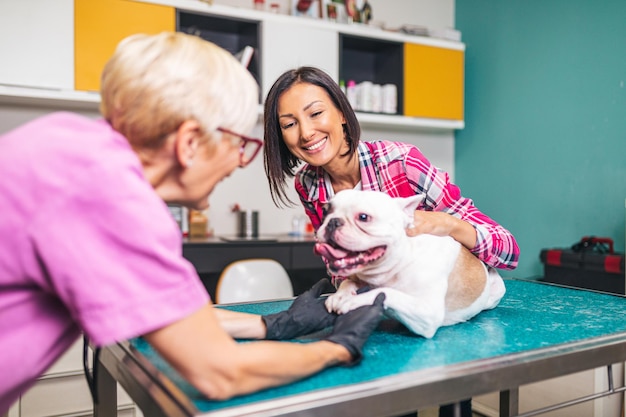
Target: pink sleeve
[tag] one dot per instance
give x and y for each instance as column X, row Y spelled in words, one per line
column 114, row 257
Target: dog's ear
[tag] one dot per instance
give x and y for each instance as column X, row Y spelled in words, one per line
column 409, row 204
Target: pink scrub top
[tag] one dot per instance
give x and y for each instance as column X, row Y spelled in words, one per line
column 86, row 245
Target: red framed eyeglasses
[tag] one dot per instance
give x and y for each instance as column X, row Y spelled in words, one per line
column 249, row 148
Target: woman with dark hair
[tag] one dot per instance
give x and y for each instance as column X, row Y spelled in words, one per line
column 309, row 119
column 280, row 162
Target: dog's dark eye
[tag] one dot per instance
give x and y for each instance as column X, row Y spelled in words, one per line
column 326, row 208
column 364, row 217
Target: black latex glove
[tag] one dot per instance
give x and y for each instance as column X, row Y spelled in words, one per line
column 307, row 314
column 353, row 328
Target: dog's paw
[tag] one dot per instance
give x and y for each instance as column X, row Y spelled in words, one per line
column 337, row 299
column 350, row 303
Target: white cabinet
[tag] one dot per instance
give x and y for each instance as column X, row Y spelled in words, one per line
column 289, row 44
column 63, row 391
column 39, row 59
column 37, row 44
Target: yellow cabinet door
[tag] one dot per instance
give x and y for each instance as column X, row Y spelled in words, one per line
column 99, row 25
column 433, row 82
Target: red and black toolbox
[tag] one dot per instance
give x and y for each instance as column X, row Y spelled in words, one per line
column 590, row 263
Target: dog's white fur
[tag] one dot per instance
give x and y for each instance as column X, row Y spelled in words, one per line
column 429, row 281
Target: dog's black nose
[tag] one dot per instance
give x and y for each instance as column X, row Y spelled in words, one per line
column 333, row 224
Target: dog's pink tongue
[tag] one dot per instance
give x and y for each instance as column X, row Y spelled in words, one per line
column 329, row 252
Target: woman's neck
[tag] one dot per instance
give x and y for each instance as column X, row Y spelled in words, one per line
column 158, row 170
column 344, row 173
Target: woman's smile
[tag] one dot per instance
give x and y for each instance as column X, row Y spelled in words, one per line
column 316, row 146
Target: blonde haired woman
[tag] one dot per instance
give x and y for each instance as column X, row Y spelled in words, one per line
column 88, row 244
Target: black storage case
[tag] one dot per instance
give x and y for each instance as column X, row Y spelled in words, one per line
column 590, row 264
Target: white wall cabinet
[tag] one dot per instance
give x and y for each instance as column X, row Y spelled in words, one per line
column 42, row 71
column 288, row 44
column 37, row 44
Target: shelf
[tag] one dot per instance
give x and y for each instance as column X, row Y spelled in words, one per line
column 89, row 101
column 232, row 33
column 62, row 99
column 389, row 121
column 356, row 29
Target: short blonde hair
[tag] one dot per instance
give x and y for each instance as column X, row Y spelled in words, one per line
column 153, row 83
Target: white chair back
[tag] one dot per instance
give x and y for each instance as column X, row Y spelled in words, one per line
column 253, row 280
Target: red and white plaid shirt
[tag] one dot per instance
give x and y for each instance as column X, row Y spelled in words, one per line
column 401, row 170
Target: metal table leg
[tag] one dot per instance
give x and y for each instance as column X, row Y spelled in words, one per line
column 106, row 387
column 509, row 402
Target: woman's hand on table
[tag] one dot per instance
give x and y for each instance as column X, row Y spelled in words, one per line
column 353, row 328
column 307, row 314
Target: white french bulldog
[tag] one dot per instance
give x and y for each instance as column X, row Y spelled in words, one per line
column 429, row 281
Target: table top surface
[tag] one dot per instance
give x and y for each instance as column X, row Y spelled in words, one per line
column 532, row 317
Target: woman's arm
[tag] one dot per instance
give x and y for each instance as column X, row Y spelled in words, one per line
column 442, row 224
column 199, row 348
column 306, row 314
column 489, row 241
column 240, row 325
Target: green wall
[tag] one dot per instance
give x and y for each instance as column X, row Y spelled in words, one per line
column 544, row 147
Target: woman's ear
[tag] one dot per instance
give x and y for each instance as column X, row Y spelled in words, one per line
column 187, row 142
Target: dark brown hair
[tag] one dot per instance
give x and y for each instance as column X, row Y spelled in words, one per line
column 279, row 163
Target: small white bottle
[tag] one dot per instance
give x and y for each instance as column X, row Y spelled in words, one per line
column 390, row 98
column 377, row 102
column 365, row 96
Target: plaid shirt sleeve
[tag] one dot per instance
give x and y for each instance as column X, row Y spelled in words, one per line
column 306, row 183
column 495, row 245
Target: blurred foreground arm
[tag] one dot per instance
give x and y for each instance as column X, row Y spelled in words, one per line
column 204, row 354
column 306, row 314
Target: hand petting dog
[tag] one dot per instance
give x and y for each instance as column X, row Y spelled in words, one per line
column 308, row 314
